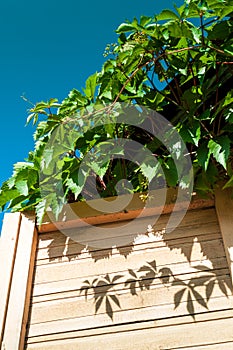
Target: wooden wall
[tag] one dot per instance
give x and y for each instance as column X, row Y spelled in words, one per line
column 170, row 292
column 153, row 290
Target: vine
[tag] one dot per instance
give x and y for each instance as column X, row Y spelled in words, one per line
column 178, row 63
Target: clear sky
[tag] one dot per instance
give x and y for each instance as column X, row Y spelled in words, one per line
column 48, row 48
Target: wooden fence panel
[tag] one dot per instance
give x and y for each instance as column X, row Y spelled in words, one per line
column 156, row 290
column 140, row 305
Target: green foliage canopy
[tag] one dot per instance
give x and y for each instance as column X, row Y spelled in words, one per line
column 178, row 63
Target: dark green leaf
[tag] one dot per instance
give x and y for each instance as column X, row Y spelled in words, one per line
column 220, row 148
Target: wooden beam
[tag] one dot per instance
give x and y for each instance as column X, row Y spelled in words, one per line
column 77, row 214
column 224, row 208
column 8, row 247
column 18, row 306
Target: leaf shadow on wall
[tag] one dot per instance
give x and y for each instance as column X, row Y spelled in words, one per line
column 193, row 283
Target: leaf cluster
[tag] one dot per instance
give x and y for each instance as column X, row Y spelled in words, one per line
column 178, row 63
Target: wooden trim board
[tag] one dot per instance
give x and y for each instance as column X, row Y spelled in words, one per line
column 8, row 247
column 19, row 298
column 224, row 209
column 77, row 214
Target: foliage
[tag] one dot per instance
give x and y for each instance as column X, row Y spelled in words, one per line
column 178, row 63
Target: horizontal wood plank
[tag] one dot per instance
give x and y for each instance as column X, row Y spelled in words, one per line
column 209, row 328
column 183, row 271
column 163, row 256
column 224, row 345
column 130, row 315
column 158, row 294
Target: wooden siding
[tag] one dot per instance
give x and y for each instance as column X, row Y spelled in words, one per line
column 170, row 291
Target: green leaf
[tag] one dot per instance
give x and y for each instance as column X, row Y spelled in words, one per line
column 197, row 35
column 203, row 155
column 41, row 208
column 31, row 116
column 91, row 84
column 100, row 168
column 220, row 148
column 144, row 20
column 219, row 31
column 22, row 187
column 166, row 15
column 7, row 195
column 77, row 181
column 150, row 168
column 125, row 27
column 170, row 172
column 226, row 11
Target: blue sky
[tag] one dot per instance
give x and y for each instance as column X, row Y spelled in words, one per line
column 48, row 48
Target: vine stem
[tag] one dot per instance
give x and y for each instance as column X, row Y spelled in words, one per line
column 154, row 60
column 202, row 29
column 224, row 62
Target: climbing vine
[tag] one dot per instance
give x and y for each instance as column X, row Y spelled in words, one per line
column 178, row 63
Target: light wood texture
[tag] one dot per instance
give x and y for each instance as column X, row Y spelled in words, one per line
column 70, row 242
column 197, row 218
column 224, row 208
column 17, row 313
column 70, row 287
column 152, row 335
column 87, row 267
column 8, row 246
column 158, row 301
column 133, row 326
column 61, row 318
